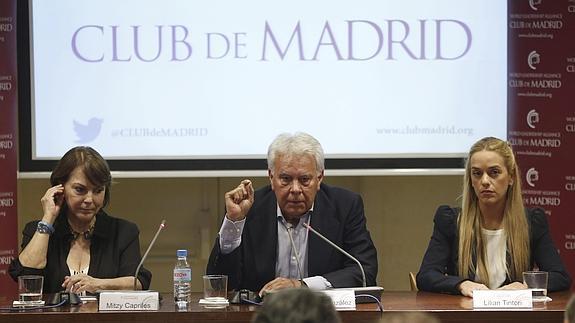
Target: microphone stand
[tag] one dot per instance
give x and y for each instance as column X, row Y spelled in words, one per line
column 288, row 229
column 339, row 249
column 162, row 225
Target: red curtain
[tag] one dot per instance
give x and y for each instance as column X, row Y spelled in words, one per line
column 541, row 112
column 8, row 145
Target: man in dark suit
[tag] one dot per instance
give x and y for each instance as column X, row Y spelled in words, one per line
column 263, row 245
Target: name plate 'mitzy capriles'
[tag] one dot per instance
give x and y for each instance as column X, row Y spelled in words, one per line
column 504, row 299
column 129, row 301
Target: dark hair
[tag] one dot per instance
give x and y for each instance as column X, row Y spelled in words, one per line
column 92, row 164
column 298, row 305
column 570, row 310
column 411, row 317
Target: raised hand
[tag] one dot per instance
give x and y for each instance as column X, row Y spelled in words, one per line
column 239, row 200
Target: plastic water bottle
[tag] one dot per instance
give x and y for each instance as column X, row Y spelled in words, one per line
column 182, row 279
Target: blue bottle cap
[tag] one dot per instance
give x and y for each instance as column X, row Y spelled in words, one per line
column 182, row 253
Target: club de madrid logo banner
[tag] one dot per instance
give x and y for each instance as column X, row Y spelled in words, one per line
column 8, row 144
column 541, row 113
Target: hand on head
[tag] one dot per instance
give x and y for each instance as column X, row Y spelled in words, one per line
column 239, row 200
column 52, row 202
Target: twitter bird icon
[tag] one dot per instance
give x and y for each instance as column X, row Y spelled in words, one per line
column 88, row 132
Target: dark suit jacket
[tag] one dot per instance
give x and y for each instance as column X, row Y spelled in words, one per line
column 338, row 214
column 114, row 252
column 439, row 272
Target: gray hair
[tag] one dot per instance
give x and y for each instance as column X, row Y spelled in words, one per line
column 298, row 144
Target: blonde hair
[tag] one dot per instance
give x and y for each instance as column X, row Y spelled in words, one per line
column 514, row 220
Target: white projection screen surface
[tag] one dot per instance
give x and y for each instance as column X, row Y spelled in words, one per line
column 183, row 80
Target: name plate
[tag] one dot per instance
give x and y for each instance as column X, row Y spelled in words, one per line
column 129, row 301
column 27, row 304
column 508, row 299
column 343, row 299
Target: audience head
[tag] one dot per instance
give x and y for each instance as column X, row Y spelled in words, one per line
column 297, row 305
column 87, row 160
column 413, row 317
column 295, row 169
column 570, row 311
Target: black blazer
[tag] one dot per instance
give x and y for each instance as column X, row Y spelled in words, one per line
column 439, row 272
column 338, row 214
column 114, row 252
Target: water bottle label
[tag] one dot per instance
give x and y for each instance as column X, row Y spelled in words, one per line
column 183, row 275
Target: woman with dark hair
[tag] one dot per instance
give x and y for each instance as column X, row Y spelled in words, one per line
column 76, row 246
column 492, row 239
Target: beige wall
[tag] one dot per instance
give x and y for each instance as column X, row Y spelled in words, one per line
column 399, row 213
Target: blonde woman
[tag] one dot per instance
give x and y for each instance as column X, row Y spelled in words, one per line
column 492, row 239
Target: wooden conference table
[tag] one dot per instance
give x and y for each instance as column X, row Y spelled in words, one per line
column 448, row 308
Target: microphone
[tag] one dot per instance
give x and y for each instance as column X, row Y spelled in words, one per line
column 289, row 228
column 338, row 249
column 132, row 300
column 162, row 225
